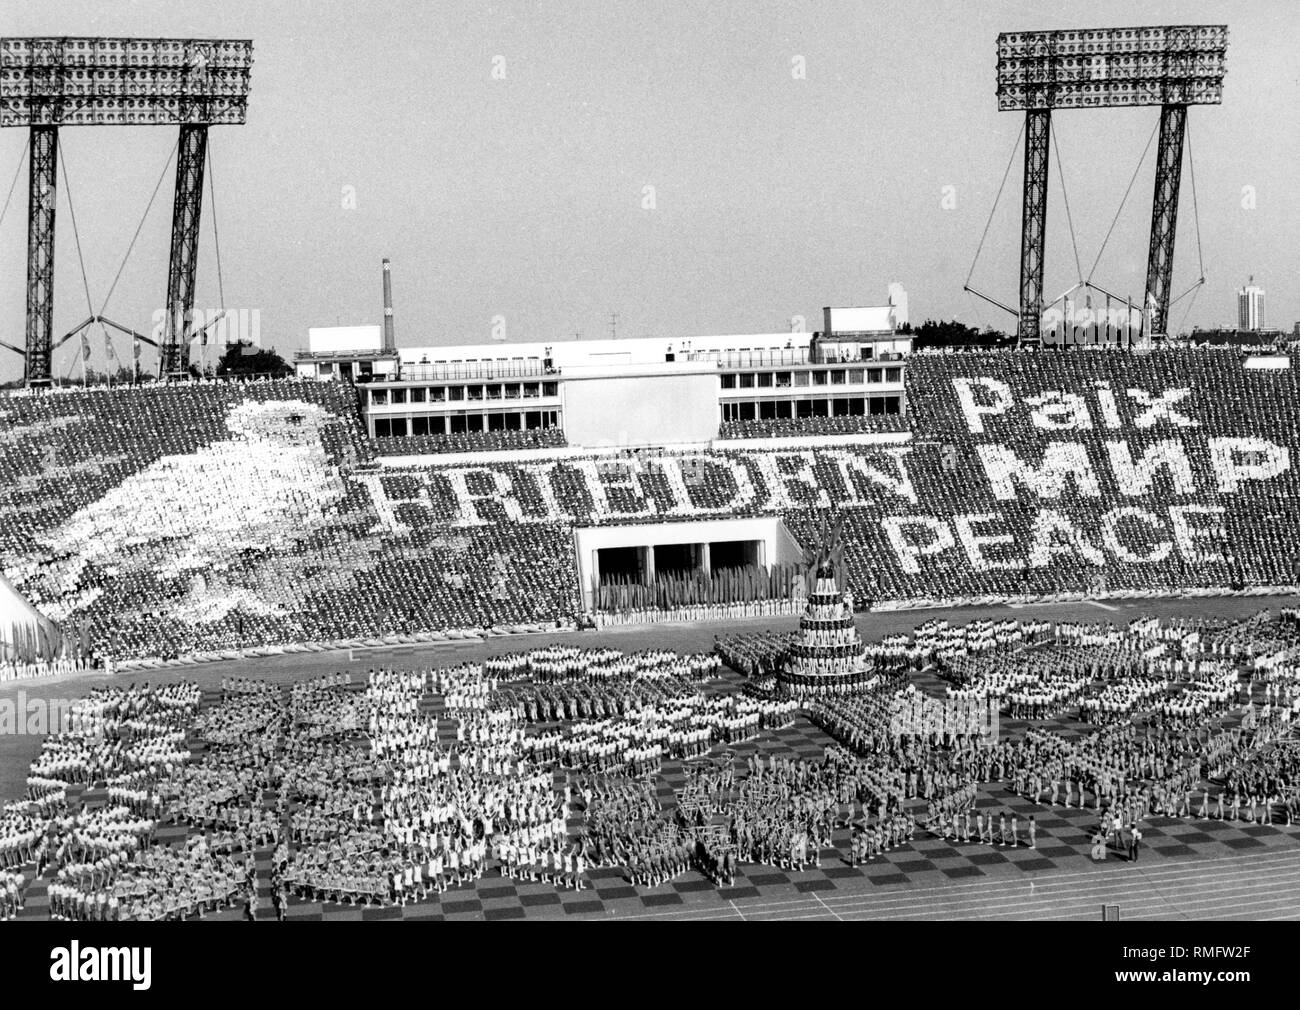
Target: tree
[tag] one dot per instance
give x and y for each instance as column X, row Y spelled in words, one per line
column 95, row 377
column 950, row 333
column 244, row 358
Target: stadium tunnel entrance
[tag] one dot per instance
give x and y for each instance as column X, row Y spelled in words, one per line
column 663, row 565
column 656, row 561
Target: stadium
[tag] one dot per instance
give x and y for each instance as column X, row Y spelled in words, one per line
column 1008, row 478
column 208, row 519
column 809, row 624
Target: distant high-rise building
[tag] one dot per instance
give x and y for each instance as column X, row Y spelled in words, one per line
column 1250, row 307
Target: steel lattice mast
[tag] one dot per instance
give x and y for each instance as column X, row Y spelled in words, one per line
column 46, row 83
column 43, row 153
column 1033, row 220
column 1164, row 215
column 1171, row 66
column 187, row 208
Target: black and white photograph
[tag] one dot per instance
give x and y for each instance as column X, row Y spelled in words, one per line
column 581, row 461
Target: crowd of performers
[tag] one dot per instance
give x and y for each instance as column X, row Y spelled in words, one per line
column 354, row 789
column 782, row 813
column 34, row 668
column 400, row 785
column 1182, row 734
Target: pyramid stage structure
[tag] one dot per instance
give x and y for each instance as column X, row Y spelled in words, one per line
column 828, row 656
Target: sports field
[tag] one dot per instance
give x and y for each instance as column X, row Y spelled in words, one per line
column 1188, row 868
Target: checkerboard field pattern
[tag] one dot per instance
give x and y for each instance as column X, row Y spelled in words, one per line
column 936, row 865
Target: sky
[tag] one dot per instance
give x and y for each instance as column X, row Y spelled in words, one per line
column 534, row 166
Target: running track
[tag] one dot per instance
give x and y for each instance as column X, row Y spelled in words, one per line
column 1259, row 887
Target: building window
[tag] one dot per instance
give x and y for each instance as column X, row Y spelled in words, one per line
column 399, row 396
column 419, row 426
column 455, row 392
column 399, row 427
column 550, row 389
column 379, row 398
column 855, row 376
column 437, row 426
column 473, row 392
column 383, row 427
column 819, row 378
column 418, row 395
column 511, row 392
column 893, row 375
column 746, row 380
column 765, row 380
column 783, row 379
column 802, row 378
column 729, row 381
column 837, row 377
column 873, row 374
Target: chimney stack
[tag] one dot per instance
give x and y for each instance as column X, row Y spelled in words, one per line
column 390, row 343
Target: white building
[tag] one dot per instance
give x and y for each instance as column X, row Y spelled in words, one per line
column 345, row 352
column 1250, row 307
column 639, row 392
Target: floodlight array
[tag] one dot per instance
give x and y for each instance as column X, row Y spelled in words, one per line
column 1171, row 65
column 127, row 82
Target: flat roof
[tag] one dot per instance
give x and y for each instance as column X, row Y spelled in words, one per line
column 357, row 355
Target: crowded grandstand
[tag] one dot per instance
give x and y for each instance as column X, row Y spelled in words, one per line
column 152, row 522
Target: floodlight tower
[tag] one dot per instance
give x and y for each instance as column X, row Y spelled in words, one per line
column 1172, row 66
column 46, row 83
